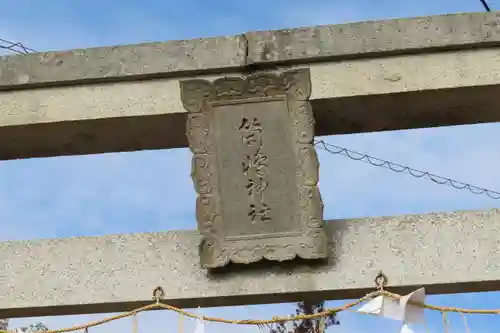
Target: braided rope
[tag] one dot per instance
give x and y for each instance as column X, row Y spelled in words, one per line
column 259, row 322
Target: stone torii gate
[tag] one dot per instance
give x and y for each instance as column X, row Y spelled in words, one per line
column 361, row 77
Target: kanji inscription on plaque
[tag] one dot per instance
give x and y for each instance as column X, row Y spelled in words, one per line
column 255, row 168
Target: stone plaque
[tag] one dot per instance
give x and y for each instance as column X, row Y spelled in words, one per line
column 255, row 168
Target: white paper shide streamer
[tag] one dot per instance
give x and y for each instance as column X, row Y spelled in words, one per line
column 4, row 324
column 200, row 324
column 401, row 310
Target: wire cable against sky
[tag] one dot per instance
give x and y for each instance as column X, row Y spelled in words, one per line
column 357, row 156
column 485, row 5
column 16, row 47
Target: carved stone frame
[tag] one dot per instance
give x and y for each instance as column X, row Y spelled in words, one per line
column 198, row 98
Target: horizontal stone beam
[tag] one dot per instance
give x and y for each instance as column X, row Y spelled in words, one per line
column 369, row 76
column 301, row 45
column 119, row 272
column 352, row 96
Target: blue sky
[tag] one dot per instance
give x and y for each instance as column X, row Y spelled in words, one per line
column 61, row 197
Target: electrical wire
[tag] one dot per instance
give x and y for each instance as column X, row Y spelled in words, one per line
column 485, row 5
column 16, row 47
column 357, row 156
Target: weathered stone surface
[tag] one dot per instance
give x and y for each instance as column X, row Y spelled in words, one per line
column 342, row 41
column 119, row 272
column 351, row 96
column 255, row 168
column 362, row 39
column 122, row 62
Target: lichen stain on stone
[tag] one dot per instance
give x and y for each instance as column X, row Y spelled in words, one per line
column 54, row 58
column 23, row 78
column 393, row 77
